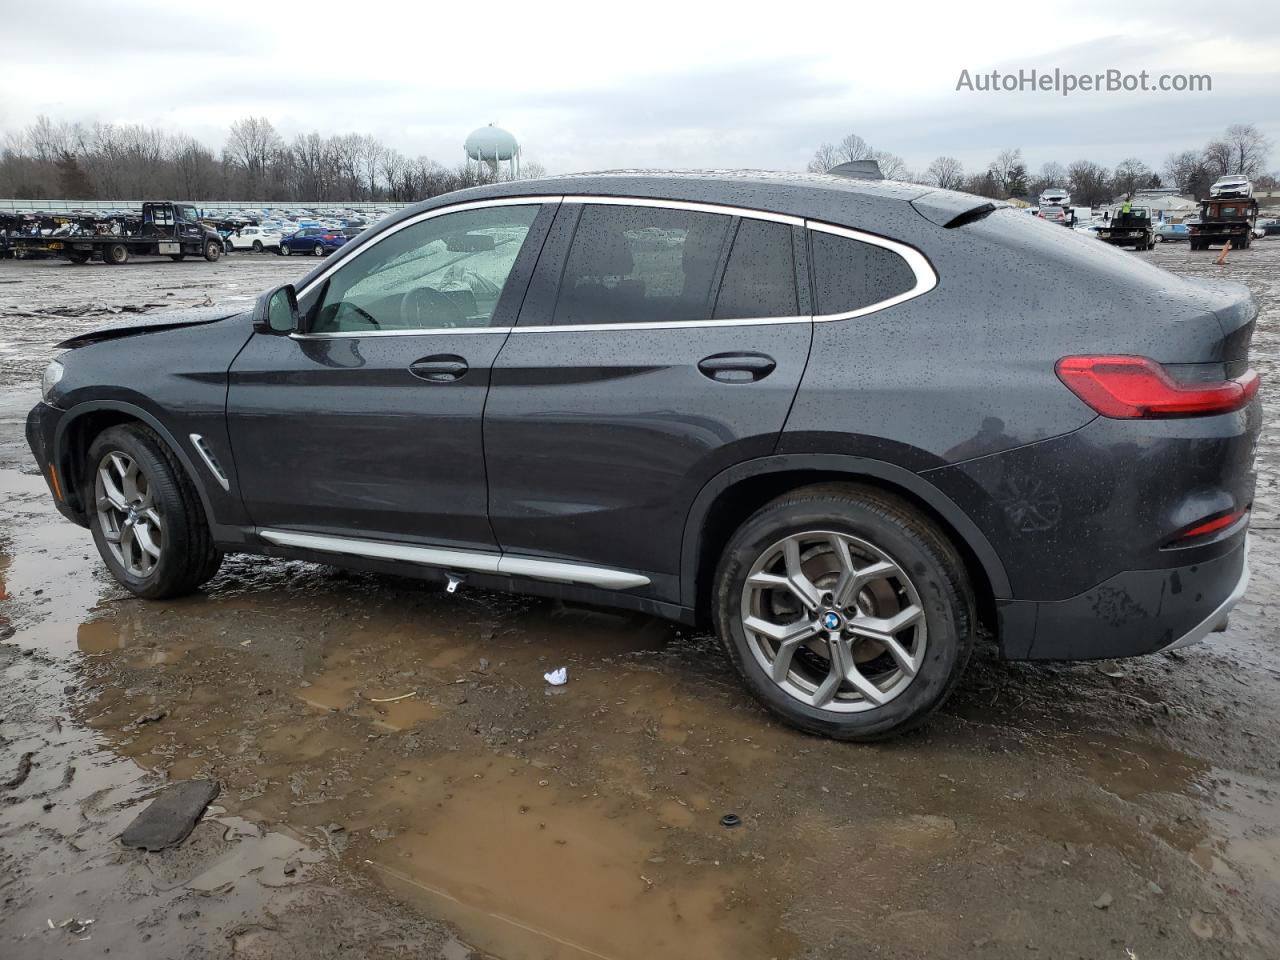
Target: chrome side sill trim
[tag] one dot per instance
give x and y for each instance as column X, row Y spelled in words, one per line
column 444, row 557
column 1211, row 623
column 206, row 455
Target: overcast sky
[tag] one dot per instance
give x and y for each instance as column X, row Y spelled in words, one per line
column 597, row 85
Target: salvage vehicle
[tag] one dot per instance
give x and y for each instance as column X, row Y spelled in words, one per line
column 846, row 423
column 1223, row 221
column 164, row 229
column 1234, row 186
column 317, row 241
column 255, row 238
column 1129, row 228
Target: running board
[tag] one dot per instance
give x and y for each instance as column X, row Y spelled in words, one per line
column 504, row 565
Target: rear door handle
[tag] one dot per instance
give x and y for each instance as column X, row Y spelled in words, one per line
column 737, row 367
column 440, row 368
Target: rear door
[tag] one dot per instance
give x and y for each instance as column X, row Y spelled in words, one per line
column 659, row 344
column 368, row 424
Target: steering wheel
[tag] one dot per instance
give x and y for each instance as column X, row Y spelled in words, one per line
column 428, row 307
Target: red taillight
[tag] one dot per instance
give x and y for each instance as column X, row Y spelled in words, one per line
column 1132, row 388
column 1214, row 525
column 327, row 236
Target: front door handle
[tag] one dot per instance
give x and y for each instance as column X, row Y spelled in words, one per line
column 737, row 367
column 440, row 368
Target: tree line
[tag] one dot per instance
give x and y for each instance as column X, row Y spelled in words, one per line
column 1241, row 149
column 104, row 161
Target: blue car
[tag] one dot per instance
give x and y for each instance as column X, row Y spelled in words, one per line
column 316, row 241
column 1168, row 232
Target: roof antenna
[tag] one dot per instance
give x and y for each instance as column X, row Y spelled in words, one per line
column 858, row 170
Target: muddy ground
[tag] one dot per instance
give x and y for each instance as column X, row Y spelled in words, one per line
column 397, row 780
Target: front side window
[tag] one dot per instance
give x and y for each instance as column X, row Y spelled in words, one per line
column 850, row 274
column 447, row 271
column 632, row 264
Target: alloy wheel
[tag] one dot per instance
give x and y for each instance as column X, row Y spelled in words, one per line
column 834, row 621
column 127, row 514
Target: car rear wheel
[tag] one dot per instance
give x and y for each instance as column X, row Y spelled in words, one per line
column 177, row 257
column 115, row 254
column 257, row 246
column 846, row 611
column 145, row 515
column 318, row 250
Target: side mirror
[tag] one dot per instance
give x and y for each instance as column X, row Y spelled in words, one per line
column 276, row 311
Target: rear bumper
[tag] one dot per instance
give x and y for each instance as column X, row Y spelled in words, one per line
column 1132, row 613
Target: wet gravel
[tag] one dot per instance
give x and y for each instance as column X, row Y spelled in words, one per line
column 398, row 780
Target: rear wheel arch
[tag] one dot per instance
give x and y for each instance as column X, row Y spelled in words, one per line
column 85, row 422
column 734, row 495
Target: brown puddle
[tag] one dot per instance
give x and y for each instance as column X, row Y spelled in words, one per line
column 383, row 726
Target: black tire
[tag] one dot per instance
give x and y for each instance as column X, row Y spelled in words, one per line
column 318, row 250
column 913, row 542
column 188, row 557
column 257, row 246
column 212, row 250
column 284, row 250
column 115, row 254
column 79, row 256
column 177, row 257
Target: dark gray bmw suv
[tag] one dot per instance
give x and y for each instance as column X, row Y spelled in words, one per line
column 847, row 423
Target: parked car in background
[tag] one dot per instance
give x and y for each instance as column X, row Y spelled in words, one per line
column 255, row 238
column 1172, row 233
column 1270, row 227
column 721, row 399
column 316, row 241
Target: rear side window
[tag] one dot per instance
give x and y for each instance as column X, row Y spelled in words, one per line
column 849, row 274
column 640, row 265
column 760, row 278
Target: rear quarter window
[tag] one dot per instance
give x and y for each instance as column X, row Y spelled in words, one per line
column 760, row 277
column 849, row 274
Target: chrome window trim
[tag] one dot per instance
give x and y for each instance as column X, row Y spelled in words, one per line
column 477, row 561
column 691, row 206
column 926, row 278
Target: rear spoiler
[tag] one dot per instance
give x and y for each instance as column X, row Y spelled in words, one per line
column 950, row 209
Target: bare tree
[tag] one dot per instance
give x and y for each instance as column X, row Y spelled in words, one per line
column 1008, row 172
column 1130, row 176
column 824, row 158
column 892, row 166
column 251, row 145
column 1090, row 182
column 853, row 147
column 945, row 172
column 1246, row 149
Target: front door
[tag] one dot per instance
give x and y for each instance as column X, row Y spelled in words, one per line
column 659, row 344
column 368, row 423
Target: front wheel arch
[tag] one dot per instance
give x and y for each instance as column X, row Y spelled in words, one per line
column 85, row 421
column 733, row 495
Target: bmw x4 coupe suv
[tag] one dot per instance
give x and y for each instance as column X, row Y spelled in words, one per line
column 849, row 424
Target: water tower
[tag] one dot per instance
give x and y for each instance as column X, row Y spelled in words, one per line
column 492, row 145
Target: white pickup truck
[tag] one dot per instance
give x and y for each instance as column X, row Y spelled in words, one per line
column 253, row 238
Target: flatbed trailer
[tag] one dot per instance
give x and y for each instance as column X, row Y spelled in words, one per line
column 164, row 229
column 1225, row 219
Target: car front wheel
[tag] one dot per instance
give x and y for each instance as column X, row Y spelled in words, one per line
column 318, row 250
column 284, row 250
column 145, row 515
column 848, row 613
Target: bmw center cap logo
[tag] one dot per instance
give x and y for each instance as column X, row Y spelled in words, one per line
column 831, row 620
